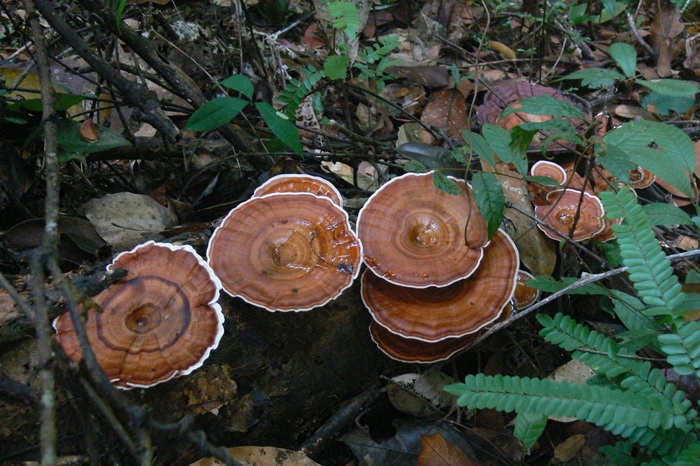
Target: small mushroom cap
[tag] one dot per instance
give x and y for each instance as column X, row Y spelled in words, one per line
column 415, row 235
column 286, row 252
column 641, row 178
column 550, row 170
column 297, row 183
column 562, row 210
column 160, row 322
column 436, row 313
column 524, row 295
column 412, row 350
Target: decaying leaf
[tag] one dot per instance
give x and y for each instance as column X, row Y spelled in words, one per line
column 124, row 219
column 574, row 371
column 569, row 448
column 537, row 252
column 438, row 451
column 420, row 394
column 447, row 111
column 268, row 456
column 406, row 444
column 665, row 29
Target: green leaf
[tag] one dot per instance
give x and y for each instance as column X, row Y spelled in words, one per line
column 445, row 184
column 671, row 87
column 546, row 105
column 543, row 180
column 529, row 427
column 477, row 144
column 336, row 67
column 666, row 104
column 595, row 78
column 499, row 140
column 63, row 103
column 661, row 213
column 675, row 159
column 281, row 127
column 489, row 197
column 215, row 113
column 240, row 83
column 71, row 142
column 414, row 166
column 626, row 57
column 345, row 17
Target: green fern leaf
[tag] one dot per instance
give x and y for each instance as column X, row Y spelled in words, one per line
column 604, row 356
column 295, row 91
column 596, row 404
column 683, row 348
column 345, row 17
column 649, row 268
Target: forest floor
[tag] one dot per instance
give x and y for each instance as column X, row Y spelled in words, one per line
column 356, row 94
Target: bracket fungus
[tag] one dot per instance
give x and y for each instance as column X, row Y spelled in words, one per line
column 160, row 322
column 438, row 313
column 412, row 350
column 569, row 208
column 286, row 251
column 525, row 295
column 299, row 183
column 416, row 235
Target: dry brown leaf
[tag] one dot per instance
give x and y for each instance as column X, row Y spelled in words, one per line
column 436, row 450
column 537, row 252
column 447, row 111
column 569, row 448
column 88, row 130
column 503, row 49
column 665, row 29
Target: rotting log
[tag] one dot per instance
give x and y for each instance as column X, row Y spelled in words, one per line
column 275, row 379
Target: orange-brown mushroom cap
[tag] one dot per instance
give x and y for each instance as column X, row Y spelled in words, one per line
column 550, row 170
column 298, row 183
column 160, row 322
column 412, row 350
column 565, row 205
column 286, row 251
column 524, row 295
column 436, row 313
column 416, row 235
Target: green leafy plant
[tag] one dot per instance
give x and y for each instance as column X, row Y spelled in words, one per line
column 666, row 94
column 628, row 397
column 221, row 110
column 372, row 63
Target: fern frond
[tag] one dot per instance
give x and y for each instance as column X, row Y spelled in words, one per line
column 649, row 268
column 529, row 427
column 633, row 375
column 619, row 454
column 295, row 91
column 689, row 455
column 596, row 404
column 659, row 442
column 683, row 348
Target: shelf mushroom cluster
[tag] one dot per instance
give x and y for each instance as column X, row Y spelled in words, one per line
column 576, row 210
column 433, row 280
